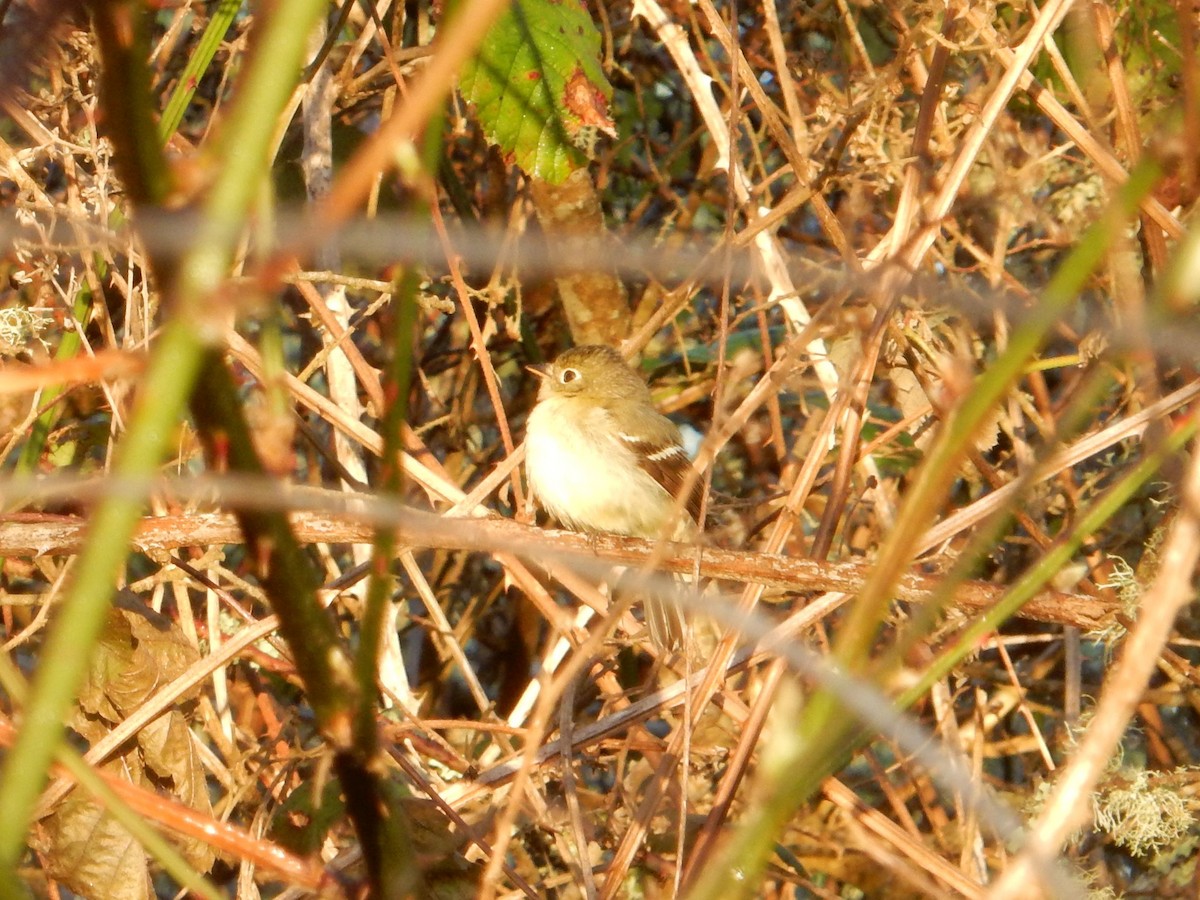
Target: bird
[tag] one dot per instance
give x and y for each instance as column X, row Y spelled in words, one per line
column 600, row 459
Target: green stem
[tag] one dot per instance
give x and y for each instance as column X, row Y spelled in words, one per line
column 174, row 366
column 65, row 657
column 828, row 732
column 206, row 48
column 1053, row 560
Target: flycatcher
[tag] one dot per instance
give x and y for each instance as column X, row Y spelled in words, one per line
column 600, row 458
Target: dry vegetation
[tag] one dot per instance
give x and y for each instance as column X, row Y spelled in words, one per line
column 917, row 281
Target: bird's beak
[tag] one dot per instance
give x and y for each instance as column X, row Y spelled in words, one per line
column 540, row 371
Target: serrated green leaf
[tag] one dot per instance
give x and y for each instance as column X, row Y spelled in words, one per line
column 538, row 89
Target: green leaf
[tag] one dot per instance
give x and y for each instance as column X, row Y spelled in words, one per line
column 197, row 64
column 538, row 88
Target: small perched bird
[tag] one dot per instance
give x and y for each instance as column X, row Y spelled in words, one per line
column 601, row 459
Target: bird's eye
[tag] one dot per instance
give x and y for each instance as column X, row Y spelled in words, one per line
column 568, row 375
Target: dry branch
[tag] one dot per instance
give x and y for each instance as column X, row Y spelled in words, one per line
column 31, row 535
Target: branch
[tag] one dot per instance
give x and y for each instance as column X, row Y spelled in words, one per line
column 33, row 535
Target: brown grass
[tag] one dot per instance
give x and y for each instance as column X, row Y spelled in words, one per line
column 934, row 606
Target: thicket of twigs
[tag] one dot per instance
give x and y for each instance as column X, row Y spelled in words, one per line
column 918, row 283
